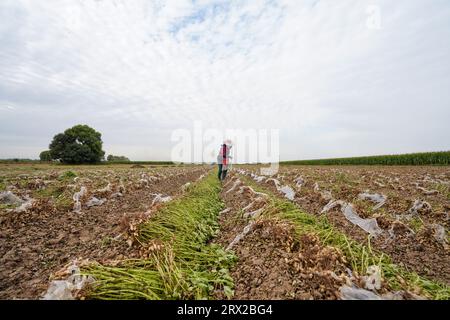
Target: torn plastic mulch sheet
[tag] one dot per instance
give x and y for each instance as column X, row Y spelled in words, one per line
column 76, row 197
column 251, row 191
column 185, row 186
column 225, row 211
column 353, row 293
column 330, row 205
column 368, row 225
column 257, row 178
column 326, row 195
column 248, row 206
column 26, row 205
column 288, row 192
column 116, row 195
column 201, row 177
column 428, row 192
column 62, row 289
column 159, row 198
column 254, row 214
column 399, row 228
column 105, row 189
column 440, row 235
column 373, row 279
column 299, row 182
column 236, row 183
column 95, row 202
column 377, row 198
column 7, row 197
column 241, row 235
column 316, row 187
column 275, row 182
column 419, row 206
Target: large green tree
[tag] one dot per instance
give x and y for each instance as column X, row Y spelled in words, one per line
column 79, row 144
column 45, row 156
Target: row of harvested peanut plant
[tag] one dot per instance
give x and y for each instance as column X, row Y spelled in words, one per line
column 201, row 244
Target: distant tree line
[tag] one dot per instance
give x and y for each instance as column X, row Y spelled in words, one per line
column 112, row 158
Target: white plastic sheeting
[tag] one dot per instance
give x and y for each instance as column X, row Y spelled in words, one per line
column 368, row 225
column 95, row 202
column 373, row 280
column 235, row 185
column 418, row 206
column 242, row 171
column 160, row 199
column 299, row 182
column 428, row 192
column 372, row 283
column 241, row 235
column 377, row 198
column 105, row 189
column 117, row 195
column 275, row 182
column 354, row 293
column 440, row 234
column 62, row 289
column 331, row 205
column 8, row 197
column 26, row 205
column 256, row 177
column 256, row 213
column 225, row 211
column 288, row 192
column 253, row 192
column 143, row 182
column 379, row 184
column 316, row 187
column 185, row 186
column 398, row 225
column 201, row 177
column 326, row 195
column 76, row 197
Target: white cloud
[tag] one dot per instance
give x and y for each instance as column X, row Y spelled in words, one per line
column 136, row 70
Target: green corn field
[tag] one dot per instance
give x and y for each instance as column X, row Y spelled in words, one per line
column 415, row 159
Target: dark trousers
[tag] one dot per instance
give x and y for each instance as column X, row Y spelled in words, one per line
column 222, row 173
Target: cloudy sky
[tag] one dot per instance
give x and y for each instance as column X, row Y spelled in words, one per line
column 337, row 78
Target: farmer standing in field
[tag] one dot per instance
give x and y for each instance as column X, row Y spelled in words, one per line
column 223, row 159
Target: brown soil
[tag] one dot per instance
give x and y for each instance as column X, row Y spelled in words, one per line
column 418, row 252
column 37, row 243
column 273, row 263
